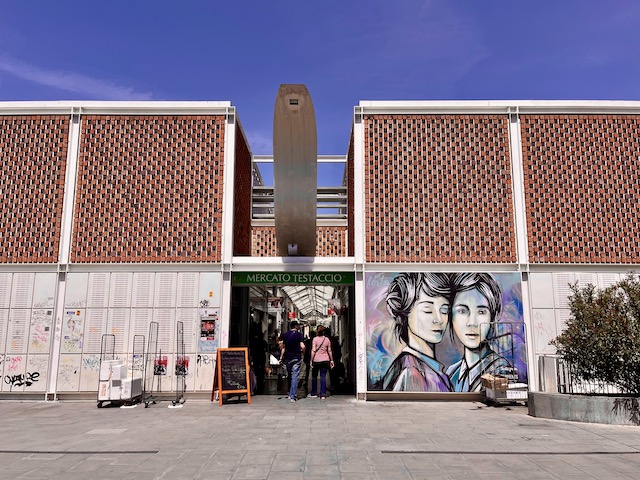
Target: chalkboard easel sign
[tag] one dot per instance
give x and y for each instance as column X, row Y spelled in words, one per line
column 232, row 372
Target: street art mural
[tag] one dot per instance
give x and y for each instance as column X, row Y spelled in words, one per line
column 440, row 332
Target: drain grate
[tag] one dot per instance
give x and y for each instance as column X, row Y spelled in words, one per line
column 497, row 453
column 83, row 452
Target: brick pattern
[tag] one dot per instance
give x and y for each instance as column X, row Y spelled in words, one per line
column 582, row 180
column 242, row 197
column 330, row 242
column 350, row 197
column 33, row 161
column 149, row 189
column 438, row 189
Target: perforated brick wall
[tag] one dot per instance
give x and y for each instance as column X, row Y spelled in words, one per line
column 438, row 189
column 582, row 180
column 149, row 189
column 33, row 159
column 242, row 197
column 350, row 193
column 330, row 241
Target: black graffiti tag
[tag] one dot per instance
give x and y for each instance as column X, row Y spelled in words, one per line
column 22, row 379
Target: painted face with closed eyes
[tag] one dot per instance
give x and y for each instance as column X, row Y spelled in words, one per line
column 471, row 317
column 428, row 318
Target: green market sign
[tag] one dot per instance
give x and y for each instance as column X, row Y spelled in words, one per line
column 293, row 278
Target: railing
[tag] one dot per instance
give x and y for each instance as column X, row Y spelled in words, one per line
column 556, row 375
column 331, row 203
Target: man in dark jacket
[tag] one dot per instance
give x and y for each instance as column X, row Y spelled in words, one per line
column 292, row 349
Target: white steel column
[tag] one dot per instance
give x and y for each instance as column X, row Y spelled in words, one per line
column 517, row 184
column 359, row 246
column 66, row 235
column 522, row 244
column 227, row 223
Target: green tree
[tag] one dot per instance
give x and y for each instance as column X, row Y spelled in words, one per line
column 602, row 338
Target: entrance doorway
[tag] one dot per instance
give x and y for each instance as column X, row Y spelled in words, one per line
column 261, row 314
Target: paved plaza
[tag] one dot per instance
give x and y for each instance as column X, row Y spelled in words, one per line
column 310, row 439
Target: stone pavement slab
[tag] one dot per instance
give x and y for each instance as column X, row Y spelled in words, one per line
column 310, row 439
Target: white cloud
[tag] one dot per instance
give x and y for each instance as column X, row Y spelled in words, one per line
column 71, row 82
column 261, row 144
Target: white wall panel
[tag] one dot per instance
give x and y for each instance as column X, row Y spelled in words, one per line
column 4, row 325
column 89, row 372
column 187, row 290
column 165, row 291
column 166, row 328
column 562, row 289
column 562, row 316
column 118, row 325
column 76, row 291
column 143, row 290
column 18, row 331
column 5, row 289
column 36, row 373
column 585, row 279
column 210, row 289
column 44, row 290
column 98, row 293
column 544, row 330
column 13, row 379
column 95, row 326
column 69, row 373
column 22, row 290
column 140, row 319
column 120, row 291
column 607, row 279
column 189, row 318
column 205, row 369
column 541, row 288
column 40, row 330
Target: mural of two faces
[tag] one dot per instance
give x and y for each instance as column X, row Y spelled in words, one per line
column 440, row 332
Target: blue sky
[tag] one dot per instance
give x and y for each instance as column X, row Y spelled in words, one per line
column 344, row 51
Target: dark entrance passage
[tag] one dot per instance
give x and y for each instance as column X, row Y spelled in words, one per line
column 262, row 312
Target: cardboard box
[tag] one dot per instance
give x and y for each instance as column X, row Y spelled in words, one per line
column 103, row 390
column 118, row 372
column 494, row 382
column 125, row 393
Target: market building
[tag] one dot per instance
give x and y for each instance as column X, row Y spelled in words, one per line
column 446, row 250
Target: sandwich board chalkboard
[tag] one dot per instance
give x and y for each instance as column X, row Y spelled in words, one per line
column 232, row 372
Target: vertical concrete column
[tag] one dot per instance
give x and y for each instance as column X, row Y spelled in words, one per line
column 66, row 238
column 359, row 249
column 227, row 223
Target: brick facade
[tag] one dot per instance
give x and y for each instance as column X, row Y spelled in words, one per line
column 242, row 197
column 149, row 189
column 350, row 192
column 438, row 189
column 581, row 184
column 330, row 242
column 33, row 160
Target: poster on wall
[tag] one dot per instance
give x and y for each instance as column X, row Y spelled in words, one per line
column 333, row 306
column 275, row 305
column 440, row 332
column 72, row 331
column 209, row 329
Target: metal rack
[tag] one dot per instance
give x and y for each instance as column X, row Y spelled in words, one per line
column 182, row 365
column 149, row 366
column 117, row 383
column 510, row 384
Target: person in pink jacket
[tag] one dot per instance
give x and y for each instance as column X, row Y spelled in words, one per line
column 321, row 361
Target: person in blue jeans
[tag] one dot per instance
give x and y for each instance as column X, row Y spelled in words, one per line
column 322, row 361
column 292, row 348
